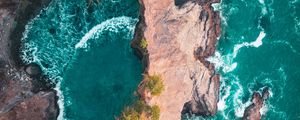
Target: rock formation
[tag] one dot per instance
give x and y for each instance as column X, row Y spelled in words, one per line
column 181, row 34
column 33, row 69
column 252, row 112
column 21, row 97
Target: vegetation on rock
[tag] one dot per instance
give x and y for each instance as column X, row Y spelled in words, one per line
column 129, row 114
column 143, row 43
column 140, row 111
column 155, row 112
column 154, row 84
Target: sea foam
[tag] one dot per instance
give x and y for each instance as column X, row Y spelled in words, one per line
column 239, row 106
column 60, row 101
column 224, row 63
column 112, row 25
column 257, row 43
column 222, row 102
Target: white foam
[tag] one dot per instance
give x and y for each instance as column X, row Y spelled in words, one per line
column 239, row 106
column 264, row 8
column 60, row 101
column 111, row 24
column 223, row 63
column 297, row 25
column 216, row 6
column 264, row 109
column 222, row 102
column 258, row 42
column 261, row 1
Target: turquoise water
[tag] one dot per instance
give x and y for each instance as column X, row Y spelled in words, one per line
column 259, row 47
column 85, row 49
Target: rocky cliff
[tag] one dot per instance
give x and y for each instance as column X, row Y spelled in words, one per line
column 180, row 34
column 23, row 96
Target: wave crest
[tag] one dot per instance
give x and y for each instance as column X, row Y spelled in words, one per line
column 112, row 25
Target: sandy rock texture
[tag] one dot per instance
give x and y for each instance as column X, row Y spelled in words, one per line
column 181, row 34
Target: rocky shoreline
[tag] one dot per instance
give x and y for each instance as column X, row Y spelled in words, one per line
column 24, row 92
column 181, row 34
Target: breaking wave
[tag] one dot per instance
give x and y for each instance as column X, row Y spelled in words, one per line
column 50, row 37
column 111, row 25
column 258, row 42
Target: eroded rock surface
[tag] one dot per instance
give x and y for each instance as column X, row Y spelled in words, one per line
column 21, row 97
column 252, row 112
column 180, row 35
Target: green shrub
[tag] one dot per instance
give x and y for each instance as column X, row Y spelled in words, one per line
column 140, row 106
column 155, row 84
column 140, row 111
column 155, row 112
column 143, row 43
column 129, row 114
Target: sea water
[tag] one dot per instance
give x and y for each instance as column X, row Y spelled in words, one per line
column 259, row 47
column 84, row 47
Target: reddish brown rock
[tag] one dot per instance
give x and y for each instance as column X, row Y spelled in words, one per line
column 180, row 37
column 252, row 112
column 40, row 106
column 21, row 97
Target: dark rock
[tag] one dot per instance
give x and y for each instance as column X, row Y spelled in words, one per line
column 41, row 84
column 33, row 69
column 204, row 105
column 41, row 106
column 17, row 99
column 265, row 93
column 25, row 11
column 252, row 112
column 2, row 65
column 52, row 31
column 3, row 83
column 180, row 3
column 198, row 108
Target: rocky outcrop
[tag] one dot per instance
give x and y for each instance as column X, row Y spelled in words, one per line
column 40, row 106
column 33, row 69
column 181, row 34
column 252, row 112
column 24, row 93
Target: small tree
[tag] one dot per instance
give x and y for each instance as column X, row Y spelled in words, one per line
column 129, row 114
column 143, row 43
column 155, row 112
column 140, row 111
column 155, row 84
column 139, row 106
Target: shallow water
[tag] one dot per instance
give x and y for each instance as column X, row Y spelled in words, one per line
column 85, row 49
